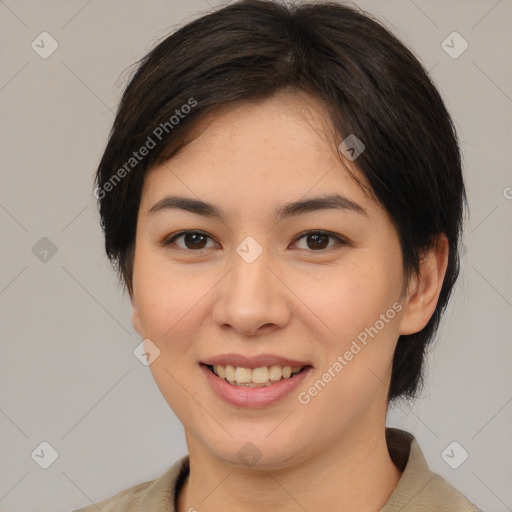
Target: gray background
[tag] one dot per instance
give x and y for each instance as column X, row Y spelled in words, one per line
column 67, row 369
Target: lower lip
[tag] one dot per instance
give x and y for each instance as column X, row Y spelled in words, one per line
column 243, row 396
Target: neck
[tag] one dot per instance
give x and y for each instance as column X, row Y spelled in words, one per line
column 356, row 474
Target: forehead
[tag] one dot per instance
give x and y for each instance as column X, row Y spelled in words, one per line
column 283, row 146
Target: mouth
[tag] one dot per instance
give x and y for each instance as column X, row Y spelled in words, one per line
column 263, row 376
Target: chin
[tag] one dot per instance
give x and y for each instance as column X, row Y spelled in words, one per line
column 258, row 454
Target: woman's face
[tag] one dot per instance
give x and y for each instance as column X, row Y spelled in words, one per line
column 251, row 284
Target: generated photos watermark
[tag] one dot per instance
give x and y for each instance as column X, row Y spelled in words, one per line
column 151, row 142
column 343, row 360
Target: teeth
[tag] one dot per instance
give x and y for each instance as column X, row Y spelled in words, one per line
column 258, row 377
column 275, row 373
column 287, row 371
column 242, row 375
column 229, row 373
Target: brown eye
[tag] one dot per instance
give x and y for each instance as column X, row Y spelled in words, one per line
column 319, row 240
column 192, row 240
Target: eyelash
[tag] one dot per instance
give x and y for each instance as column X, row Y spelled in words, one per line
column 170, row 240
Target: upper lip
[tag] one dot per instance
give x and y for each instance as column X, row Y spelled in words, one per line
column 253, row 362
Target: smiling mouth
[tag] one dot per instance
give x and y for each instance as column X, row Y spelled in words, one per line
column 257, row 377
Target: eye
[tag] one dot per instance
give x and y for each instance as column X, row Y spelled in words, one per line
column 193, row 240
column 319, row 240
column 316, row 241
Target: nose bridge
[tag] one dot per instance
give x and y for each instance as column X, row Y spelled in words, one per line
column 252, row 296
column 249, row 278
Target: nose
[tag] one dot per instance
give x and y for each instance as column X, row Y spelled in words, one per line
column 253, row 298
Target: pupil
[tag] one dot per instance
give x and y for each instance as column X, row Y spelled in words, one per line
column 194, row 237
column 316, row 244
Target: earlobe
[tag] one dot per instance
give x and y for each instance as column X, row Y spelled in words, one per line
column 423, row 293
column 136, row 318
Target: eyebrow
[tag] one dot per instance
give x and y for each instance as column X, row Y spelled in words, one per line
column 291, row 209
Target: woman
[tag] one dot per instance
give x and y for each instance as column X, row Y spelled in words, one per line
column 282, row 196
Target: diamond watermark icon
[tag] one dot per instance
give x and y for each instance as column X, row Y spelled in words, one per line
column 249, row 249
column 454, row 45
column 44, row 45
column 146, row 352
column 44, row 455
column 454, row 455
column 351, row 147
column 44, row 250
column 249, row 454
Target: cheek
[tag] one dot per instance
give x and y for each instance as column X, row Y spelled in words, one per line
column 359, row 305
column 351, row 297
column 171, row 303
column 356, row 360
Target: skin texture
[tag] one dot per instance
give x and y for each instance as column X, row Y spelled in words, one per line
column 295, row 300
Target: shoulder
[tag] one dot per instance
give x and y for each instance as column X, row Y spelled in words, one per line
column 127, row 500
column 157, row 495
column 419, row 488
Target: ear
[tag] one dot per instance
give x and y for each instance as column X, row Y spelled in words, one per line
column 424, row 288
column 137, row 325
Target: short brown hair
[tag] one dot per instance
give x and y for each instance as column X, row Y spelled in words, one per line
column 373, row 86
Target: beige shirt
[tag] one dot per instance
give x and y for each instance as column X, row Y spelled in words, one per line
column 418, row 490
